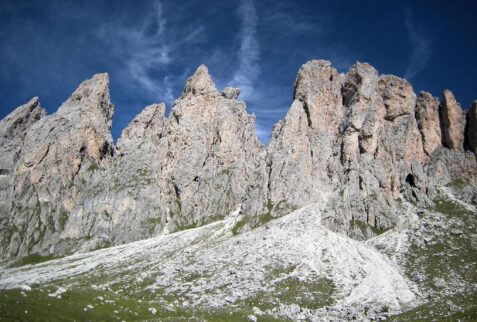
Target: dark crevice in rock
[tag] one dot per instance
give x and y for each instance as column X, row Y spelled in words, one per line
column 411, row 180
column 307, row 112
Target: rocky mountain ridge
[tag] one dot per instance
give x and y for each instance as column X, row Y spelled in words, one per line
column 359, row 142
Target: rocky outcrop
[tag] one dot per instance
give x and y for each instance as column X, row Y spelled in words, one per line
column 427, row 116
column 211, row 162
column 452, row 121
column 77, row 192
column 302, row 142
column 355, row 145
column 13, row 129
column 52, row 168
column 359, row 142
column 231, row 93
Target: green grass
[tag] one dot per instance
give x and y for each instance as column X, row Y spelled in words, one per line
column 364, row 227
column 238, row 226
column 447, row 253
column 63, row 218
column 280, row 208
column 92, row 167
column 309, row 294
column 32, row 259
column 150, row 224
column 36, row 305
column 442, row 309
column 457, row 184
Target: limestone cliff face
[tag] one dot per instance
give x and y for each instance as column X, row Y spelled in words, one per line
column 453, row 122
column 352, row 144
column 52, row 163
column 427, row 117
column 71, row 189
column 210, row 159
column 13, row 129
column 362, row 141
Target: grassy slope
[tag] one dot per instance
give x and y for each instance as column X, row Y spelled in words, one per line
column 444, row 264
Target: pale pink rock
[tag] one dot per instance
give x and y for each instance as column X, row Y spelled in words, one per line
column 427, row 116
column 453, row 122
column 318, row 86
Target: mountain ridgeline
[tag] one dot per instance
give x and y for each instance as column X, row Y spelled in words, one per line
column 353, row 145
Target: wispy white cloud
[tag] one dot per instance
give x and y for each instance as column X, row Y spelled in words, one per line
column 420, row 46
column 148, row 48
column 249, row 52
column 144, row 48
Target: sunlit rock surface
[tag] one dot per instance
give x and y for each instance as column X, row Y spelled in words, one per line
column 362, row 185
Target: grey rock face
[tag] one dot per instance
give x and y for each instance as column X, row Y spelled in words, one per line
column 210, row 157
column 318, row 87
column 367, row 145
column 166, row 174
column 427, row 116
column 453, row 122
column 13, row 129
column 146, row 128
column 355, row 145
column 51, row 170
column 231, row 93
column 302, row 142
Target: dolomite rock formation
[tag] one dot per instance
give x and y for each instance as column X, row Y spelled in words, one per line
column 453, row 122
column 49, row 172
column 76, row 191
column 356, row 144
column 359, row 142
column 302, row 142
column 13, row 129
column 427, row 116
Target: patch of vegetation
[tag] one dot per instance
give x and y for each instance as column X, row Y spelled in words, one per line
column 178, row 204
column 106, row 215
column 459, row 307
column 92, row 167
column 32, row 259
column 85, row 304
column 62, row 219
column 181, row 227
column 265, row 217
column 457, row 184
column 364, row 227
column 310, row 294
column 450, row 208
column 441, row 260
column 238, row 226
column 150, row 224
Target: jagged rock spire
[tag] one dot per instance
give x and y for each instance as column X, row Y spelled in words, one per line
column 452, row 121
column 146, row 126
column 318, row 87
column 92, row 95
column 200, row 83
column 427, row 117
column 21, row 118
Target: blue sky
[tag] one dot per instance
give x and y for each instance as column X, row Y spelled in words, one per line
column 150, row 48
